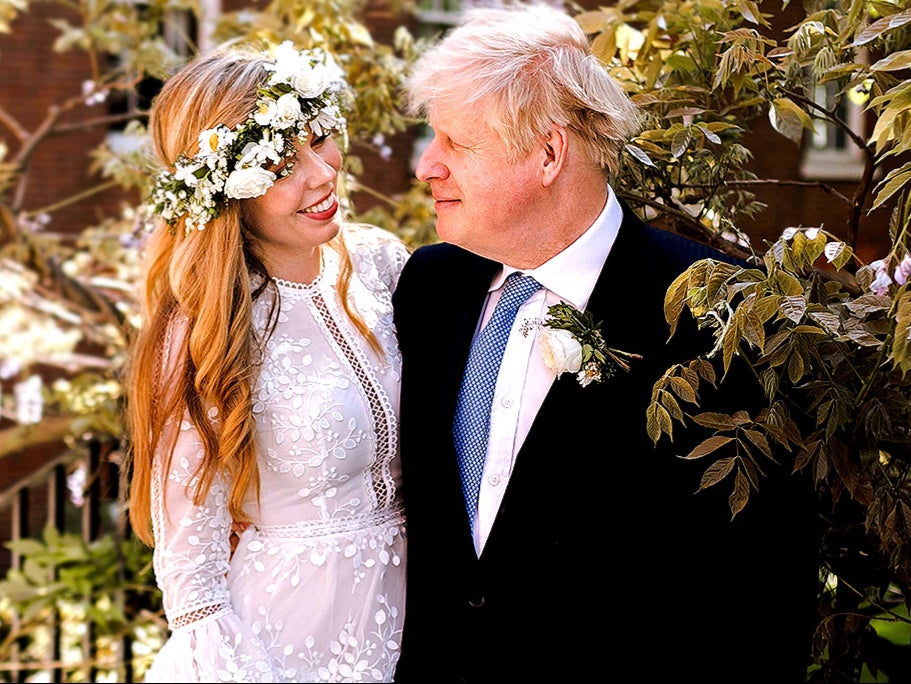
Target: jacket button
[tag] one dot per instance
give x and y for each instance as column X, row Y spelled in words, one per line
column 476, row 601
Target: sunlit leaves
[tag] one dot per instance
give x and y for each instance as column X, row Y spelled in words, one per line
column 892, row 123
column 789, row 119
column 709, row 446
column 68, row 582
column 901, row 344
column 882, row 26
column 896, row 180
column 809, row 339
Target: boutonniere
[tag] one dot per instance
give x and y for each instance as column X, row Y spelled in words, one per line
column 571, row 342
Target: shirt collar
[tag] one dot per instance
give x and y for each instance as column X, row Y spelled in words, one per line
column 572, row 273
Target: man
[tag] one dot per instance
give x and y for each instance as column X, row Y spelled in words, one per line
column 571, row 549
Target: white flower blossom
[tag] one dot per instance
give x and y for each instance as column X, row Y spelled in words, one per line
column 561, row 350
column 250, row 182
column 882, row 281
column 265, row 112
column 29, row 400
column 288, row 111
column 187, row 173
column 903, row 270
column 591, row 373
column 214, row 140
column 257, row 154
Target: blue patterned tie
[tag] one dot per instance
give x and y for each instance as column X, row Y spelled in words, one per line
column 472, row 418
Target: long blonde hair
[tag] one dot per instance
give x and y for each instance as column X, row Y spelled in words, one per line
column 202, row 286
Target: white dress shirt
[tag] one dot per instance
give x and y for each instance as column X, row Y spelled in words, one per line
column 524, row 379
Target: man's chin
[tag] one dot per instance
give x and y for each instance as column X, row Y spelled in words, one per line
column 447, row 231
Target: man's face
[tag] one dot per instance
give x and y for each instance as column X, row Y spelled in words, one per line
column 483, row 202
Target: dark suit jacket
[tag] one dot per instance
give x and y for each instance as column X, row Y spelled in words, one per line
column 603, row 562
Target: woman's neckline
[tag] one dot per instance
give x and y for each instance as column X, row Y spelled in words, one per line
column 300, row 285
column 295, row 285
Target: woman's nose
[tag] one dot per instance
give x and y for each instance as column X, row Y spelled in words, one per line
column 319, row 170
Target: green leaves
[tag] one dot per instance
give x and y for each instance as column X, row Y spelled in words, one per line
column 816, row 343
column 66, row 581
column 901, row 344
column 831, row 352
column 789, row 119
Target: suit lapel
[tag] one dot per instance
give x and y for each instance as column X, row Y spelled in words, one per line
column 611, row 300
column 465, row 304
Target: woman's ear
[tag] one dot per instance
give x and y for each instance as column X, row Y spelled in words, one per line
column 555, row 150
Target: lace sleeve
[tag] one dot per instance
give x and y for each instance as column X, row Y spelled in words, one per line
column 208, row 641
column 192, row 547
column 191, row 542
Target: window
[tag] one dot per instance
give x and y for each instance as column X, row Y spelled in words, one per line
column 829, row 153
column 436, row 14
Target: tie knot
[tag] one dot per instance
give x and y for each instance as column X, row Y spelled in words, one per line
column 518, row 288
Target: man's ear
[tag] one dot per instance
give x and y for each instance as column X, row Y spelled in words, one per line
column 556, row 148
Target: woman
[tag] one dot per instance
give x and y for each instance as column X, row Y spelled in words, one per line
column 263, row 384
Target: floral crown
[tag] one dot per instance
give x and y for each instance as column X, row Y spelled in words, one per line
column 306, row 91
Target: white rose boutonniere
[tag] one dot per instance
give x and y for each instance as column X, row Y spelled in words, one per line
column 571, row 342
column 562, row 352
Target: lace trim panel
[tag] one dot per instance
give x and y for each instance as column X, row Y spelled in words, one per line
column 195, row 616
column 321, row 528
column 386, row 437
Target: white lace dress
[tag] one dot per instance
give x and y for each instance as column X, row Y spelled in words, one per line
column 315, row 591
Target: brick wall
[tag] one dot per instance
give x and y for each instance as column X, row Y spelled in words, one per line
column 34, row 78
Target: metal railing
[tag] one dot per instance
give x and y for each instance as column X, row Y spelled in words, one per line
column 52, row 635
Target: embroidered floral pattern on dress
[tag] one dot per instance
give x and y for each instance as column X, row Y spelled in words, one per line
column 315, row 591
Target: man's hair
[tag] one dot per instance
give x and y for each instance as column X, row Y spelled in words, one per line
column 526, row 67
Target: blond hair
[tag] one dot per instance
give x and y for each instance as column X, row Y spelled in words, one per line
column 526, row 67
column 202, row 284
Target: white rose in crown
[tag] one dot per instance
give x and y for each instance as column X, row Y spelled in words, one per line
column 561, row 350
column 250, row 182
column 287, row 111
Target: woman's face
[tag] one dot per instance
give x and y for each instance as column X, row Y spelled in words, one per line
column 299, row 212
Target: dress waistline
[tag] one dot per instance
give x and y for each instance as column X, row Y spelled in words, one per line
column 320, row 528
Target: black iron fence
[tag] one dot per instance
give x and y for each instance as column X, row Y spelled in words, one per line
column 76, row 591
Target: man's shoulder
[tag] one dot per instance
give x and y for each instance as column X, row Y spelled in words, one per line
column 666, row 247
column 443, row 252
column 685, row 248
